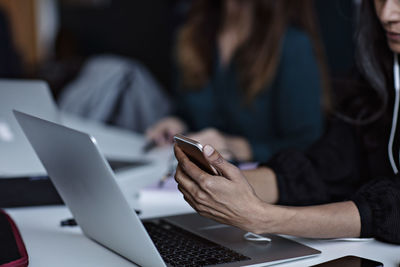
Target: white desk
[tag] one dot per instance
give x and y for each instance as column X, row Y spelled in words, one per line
column 48, row 244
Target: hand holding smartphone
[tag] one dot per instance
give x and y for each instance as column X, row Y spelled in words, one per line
column 194, row 151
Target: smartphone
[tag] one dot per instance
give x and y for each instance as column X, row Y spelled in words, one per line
column 348, row 261
column 194, row 151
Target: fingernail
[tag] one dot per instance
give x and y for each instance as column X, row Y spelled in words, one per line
column 208, row 150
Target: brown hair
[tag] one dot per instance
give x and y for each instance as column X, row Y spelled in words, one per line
column 259, row 56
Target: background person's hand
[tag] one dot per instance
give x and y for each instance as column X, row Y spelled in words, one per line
column 228, row 199
column 163, row 131
column 214, row 138
column 230, row 147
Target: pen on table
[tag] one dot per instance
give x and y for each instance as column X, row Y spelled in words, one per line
column 149, row 146
column 163, row 179
column 169, row 174
column 68, row 222
column 152, row 143
column 72, row 222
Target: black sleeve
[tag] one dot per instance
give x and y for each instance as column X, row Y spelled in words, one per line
column 379, row 205
column 331, row 171
column 327, row 172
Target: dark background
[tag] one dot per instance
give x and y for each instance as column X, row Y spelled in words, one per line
column 146, row 30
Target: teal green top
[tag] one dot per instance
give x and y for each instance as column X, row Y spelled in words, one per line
column 286, row 114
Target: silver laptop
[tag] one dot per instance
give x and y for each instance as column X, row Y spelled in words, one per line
column 17, row 157
column 88, row 186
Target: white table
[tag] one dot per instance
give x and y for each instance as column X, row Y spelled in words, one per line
column 48, row 244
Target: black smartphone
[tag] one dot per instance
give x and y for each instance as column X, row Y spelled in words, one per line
column 352, row 261
column 194, row 151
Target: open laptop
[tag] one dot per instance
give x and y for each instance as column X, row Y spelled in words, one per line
column 17, row 158
column 88, row 186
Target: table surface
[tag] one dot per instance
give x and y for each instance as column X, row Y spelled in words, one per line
column 48, row 244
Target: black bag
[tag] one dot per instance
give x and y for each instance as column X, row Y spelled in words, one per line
column 12, row 248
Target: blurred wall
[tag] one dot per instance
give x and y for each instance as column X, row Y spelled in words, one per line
column 22, row 18
column 137, row 29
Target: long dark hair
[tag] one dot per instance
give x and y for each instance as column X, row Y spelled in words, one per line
column 374, row 62
column 259, row 55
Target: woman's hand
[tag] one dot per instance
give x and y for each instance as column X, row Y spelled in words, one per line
column 230, row 147
column 163, row 131
column 228, row 199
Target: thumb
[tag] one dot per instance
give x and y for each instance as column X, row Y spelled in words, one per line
column 219, row 163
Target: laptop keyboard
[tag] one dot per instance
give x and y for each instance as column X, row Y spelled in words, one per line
column 179, row 247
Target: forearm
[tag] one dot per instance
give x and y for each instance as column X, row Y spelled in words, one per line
column 334, row 220
column 263, row 181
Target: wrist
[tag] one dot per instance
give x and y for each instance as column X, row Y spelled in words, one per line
column 264, row 182
column 271, row 218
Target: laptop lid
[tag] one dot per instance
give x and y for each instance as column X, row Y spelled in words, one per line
column 17, row 157
column 87, row 185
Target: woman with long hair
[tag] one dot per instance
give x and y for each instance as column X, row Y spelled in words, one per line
column 250, row 77
column 347, row 184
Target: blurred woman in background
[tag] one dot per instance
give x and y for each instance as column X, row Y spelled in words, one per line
column 251, row 78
